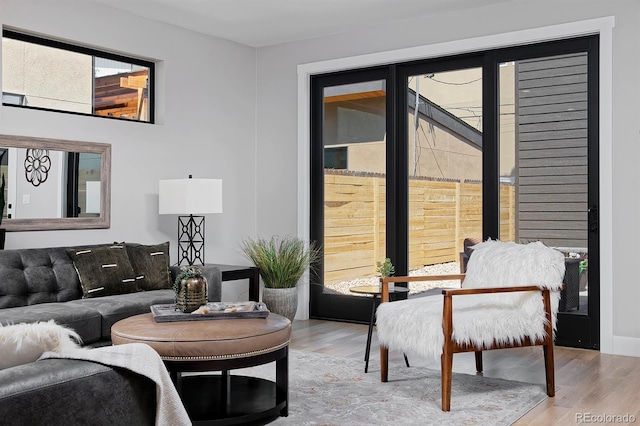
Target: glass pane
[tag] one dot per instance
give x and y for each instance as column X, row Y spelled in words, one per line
column 445, row 173
column 47, row 77
column 40, row 76
column 121, row 90
column 354, row 184
column 544, row 162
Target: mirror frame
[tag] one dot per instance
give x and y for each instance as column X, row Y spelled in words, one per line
column 49, row 224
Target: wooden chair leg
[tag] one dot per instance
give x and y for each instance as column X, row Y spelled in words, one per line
column 446, row 367
column 446, row 360
column 549, row 368
column 479, row 361
column 384, row 364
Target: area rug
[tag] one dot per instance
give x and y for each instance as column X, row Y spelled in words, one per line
column 328, row 390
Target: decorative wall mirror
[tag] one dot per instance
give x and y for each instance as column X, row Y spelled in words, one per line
column 55, row 184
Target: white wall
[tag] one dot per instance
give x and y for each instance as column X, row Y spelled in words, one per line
column 277, row 168
column 205, row 126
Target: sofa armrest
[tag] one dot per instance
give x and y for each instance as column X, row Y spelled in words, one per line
column 70, row 392
column 214, row 280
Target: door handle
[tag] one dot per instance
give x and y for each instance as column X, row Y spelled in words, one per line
column 593, row 218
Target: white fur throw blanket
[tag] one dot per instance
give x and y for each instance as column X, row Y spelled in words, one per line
column 26, row 342
column 414, row 326
column 140, row 359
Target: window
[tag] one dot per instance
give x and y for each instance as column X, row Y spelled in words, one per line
column 50, row 75
column 335, row 158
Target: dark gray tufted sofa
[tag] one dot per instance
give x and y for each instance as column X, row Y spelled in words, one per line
column 42, row 284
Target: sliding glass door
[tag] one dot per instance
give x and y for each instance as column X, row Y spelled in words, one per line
column 549, row 170
column 410, row 160
column 350, row 160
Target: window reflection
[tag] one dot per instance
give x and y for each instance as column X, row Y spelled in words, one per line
column 72, row 187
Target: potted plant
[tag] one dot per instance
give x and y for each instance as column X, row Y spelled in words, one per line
column 385, row 269
column 281, row 261
column 190, row 289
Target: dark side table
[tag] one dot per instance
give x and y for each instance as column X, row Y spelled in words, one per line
column 374, row 291
column 234, row 272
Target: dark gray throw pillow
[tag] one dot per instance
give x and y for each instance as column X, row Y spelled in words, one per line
column 151, row 265
column 103, row 271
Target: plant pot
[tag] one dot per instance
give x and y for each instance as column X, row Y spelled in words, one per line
column 192, row 293
column 281, row 301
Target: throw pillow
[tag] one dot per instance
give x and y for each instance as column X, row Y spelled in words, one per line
column 103, row 271
column 151, row 265
column 25, row 343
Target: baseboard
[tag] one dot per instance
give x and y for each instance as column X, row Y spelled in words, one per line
column 628, row 346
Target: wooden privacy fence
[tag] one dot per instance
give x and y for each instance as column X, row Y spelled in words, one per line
column 441, row 215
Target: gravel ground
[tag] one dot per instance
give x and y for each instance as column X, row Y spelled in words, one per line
column 414, row 287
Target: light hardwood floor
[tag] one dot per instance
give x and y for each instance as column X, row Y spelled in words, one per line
column 587, row 382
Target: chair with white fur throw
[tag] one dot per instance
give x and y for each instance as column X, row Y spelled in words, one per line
column 509, row 298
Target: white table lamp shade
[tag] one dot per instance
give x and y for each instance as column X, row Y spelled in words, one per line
column 190, row 196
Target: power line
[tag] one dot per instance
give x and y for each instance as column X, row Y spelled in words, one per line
column 455, row 84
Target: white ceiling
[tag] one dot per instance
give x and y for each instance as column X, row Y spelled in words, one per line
column 266, row 22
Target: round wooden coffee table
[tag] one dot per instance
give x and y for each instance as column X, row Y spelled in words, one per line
column 219, row 345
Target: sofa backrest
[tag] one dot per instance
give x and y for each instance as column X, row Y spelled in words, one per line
column 32, row 276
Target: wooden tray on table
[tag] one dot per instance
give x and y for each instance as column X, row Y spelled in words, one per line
column 216, row 310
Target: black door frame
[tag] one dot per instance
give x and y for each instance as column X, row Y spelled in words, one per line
column 573, row 330
column 401, row 171
column 577, row 330
column 327, row 305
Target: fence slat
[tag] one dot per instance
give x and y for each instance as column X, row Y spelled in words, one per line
column 441, row 216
